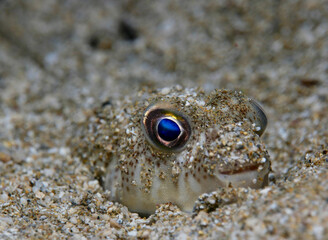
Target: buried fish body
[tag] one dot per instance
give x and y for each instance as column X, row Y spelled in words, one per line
column 173, row 144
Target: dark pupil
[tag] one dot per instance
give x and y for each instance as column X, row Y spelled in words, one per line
column 168, row 130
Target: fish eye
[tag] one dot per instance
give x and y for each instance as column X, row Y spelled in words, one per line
column 261, row 119
column 166, row 128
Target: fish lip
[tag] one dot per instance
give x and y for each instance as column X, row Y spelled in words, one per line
column 253, row 176
column 242, row 170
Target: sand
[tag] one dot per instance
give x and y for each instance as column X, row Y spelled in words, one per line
column 60, row 59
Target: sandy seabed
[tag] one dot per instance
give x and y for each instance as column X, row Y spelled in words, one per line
column 60, row 59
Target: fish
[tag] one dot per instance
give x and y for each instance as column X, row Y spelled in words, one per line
column 173, row 144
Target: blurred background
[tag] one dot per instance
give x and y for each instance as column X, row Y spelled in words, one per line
column 118, row 46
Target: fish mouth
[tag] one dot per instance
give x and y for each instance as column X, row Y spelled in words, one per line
column 241, row 170
column 253, row 176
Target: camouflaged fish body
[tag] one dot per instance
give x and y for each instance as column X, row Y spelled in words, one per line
column 204, row 143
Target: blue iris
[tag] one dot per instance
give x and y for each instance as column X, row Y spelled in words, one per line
column 168, row 130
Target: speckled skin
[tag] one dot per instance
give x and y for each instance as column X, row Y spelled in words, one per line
column 224, row 149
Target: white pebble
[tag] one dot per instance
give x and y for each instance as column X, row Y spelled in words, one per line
column 23, row 201
column 165, row 91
